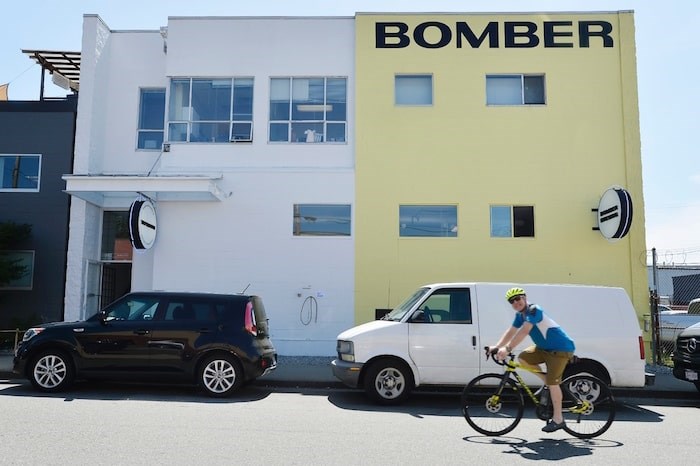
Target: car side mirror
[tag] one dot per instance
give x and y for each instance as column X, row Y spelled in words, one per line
column 102, row 317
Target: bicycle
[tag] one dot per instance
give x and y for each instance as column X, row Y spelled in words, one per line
column 493, row 404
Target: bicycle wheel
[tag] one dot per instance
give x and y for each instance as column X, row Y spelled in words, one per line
column 588, row 405
column 490, row 412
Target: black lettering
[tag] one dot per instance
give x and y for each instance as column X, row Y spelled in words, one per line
column 400, row 39
column 550, row 34
column 511, row 35
column 585, row 33
column 419, row 35
column 491, row 30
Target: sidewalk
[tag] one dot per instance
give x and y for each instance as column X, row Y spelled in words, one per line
column 316, row 372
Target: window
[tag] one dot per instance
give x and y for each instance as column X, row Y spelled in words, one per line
column 116, row 245
column 446, row 306
column 23, row 263
column 428, row 220
column 322, row 220
column 151, row 119
column 135, row 308
column 515, row 89
column 20, row 172
column 210, row 110
column 308, row 110
column 413, row 90
column 512, row 221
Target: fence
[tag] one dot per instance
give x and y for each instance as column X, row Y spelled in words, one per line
column 9, row 339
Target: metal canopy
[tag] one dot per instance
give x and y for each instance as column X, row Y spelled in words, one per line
column 66, row 64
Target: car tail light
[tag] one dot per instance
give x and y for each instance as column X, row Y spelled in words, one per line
column 641, row 348
column 250, row 324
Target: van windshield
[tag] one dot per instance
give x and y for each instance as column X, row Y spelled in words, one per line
column 401, row 310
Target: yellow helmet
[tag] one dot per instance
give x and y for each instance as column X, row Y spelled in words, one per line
column 513, row 292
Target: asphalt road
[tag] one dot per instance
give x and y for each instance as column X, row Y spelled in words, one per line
column 106, row 424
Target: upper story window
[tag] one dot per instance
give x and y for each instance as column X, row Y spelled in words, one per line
column 322, row 220
column 308, row 109
column 515, row 89
column 151, row 119
column 512, row 221
column 428, row 220
column 20, row 172
column 413, row 89
column 210, row 110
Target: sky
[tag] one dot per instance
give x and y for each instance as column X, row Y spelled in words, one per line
column 668, row 73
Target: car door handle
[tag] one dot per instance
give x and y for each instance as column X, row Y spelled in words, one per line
column 473, row 340
column 141, row 331
column 204, row 330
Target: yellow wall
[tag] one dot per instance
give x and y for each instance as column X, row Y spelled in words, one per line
column 559, row 158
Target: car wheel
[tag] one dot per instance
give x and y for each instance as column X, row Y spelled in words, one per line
column 220, row 375
column 51, row 371
column 388, row 381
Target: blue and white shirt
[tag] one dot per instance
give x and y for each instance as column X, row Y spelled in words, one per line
column 546, row 333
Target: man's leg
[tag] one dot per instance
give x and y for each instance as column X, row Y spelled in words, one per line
column 556, row 397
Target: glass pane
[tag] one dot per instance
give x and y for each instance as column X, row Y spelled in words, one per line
column 150, row 140
column 534, row 89
column 179, row 106
column 413, row 90
column 24, row 261
column 336, row 98
column 335, row 132
column 523, row 221
column 243, row 99
column 209, row 132
column 500, row 221
column 177, row 132
column 279, row 132
column 211, row 99
column 428, row 220
column 307, row 132
column 504, row 90
column 152, row 111
column 307, row 99
column 19, row 172
column 279, row 99
column 242, row 132
column 115, row 236
column 321, row 220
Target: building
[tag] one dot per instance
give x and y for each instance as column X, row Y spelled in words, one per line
column 333, row 164
column 36, row 150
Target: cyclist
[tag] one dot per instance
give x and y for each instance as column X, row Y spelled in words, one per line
column 553, row 347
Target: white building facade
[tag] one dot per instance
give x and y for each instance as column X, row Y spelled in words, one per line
column 250, row 170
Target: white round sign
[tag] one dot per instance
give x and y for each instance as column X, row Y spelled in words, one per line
column 615, row 213
column 142, row 224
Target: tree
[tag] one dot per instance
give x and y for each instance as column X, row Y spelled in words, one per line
column 12, row 235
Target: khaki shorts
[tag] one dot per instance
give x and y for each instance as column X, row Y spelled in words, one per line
column 555, row 361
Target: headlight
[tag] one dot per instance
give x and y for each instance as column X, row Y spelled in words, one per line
column 31, row 333
column 346, row 350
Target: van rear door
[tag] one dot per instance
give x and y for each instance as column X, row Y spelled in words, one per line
column 443, row 337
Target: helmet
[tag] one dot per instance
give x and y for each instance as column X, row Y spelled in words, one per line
column 513, row 292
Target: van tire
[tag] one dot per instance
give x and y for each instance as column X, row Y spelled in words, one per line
column 388, row 381
column 586, row 367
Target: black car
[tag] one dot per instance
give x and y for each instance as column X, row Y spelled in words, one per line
column 216, row 341
column 686, row 357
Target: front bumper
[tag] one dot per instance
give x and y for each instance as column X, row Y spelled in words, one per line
column 347, row 372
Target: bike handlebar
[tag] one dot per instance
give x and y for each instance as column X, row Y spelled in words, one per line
column 490, row 353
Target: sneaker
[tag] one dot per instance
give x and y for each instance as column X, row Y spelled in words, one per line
column 553, row 426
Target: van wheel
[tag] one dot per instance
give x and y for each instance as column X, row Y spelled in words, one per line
column 388, row 381
column 220, row 375
column 51, row 371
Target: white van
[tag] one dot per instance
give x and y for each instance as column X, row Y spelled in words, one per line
column 437, row 337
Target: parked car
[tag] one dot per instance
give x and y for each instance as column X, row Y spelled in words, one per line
column 672, row 321
column 216, row 341
column 686, row 357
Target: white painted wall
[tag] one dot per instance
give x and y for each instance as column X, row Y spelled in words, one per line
column 245, row 240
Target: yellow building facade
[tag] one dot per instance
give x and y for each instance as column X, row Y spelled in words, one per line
column 440, row 132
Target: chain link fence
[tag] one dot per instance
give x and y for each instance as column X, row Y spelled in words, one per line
column 674, row 305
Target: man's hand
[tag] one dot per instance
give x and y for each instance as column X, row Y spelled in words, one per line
column 502, row 353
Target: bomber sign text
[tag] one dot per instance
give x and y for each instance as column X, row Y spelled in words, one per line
column 509, row 34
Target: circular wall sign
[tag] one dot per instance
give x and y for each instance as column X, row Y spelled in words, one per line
column 142, row 224
column 615, row 213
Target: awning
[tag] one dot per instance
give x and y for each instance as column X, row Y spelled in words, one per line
column 116, row 191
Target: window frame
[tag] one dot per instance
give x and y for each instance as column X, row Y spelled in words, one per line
column 38, row 174
column 189, row 122
column 297, row 224
column 140, row 130
column 31, row 263
column 323, row 123
column 522, row 77
column 513, row 233
column 447, row 232
column 414, row 75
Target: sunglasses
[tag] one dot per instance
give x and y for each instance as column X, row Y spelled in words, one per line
column 514, row 299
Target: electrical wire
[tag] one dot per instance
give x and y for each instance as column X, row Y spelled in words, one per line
column 312, row 311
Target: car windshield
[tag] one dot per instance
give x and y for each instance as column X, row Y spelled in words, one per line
column 401, row 310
